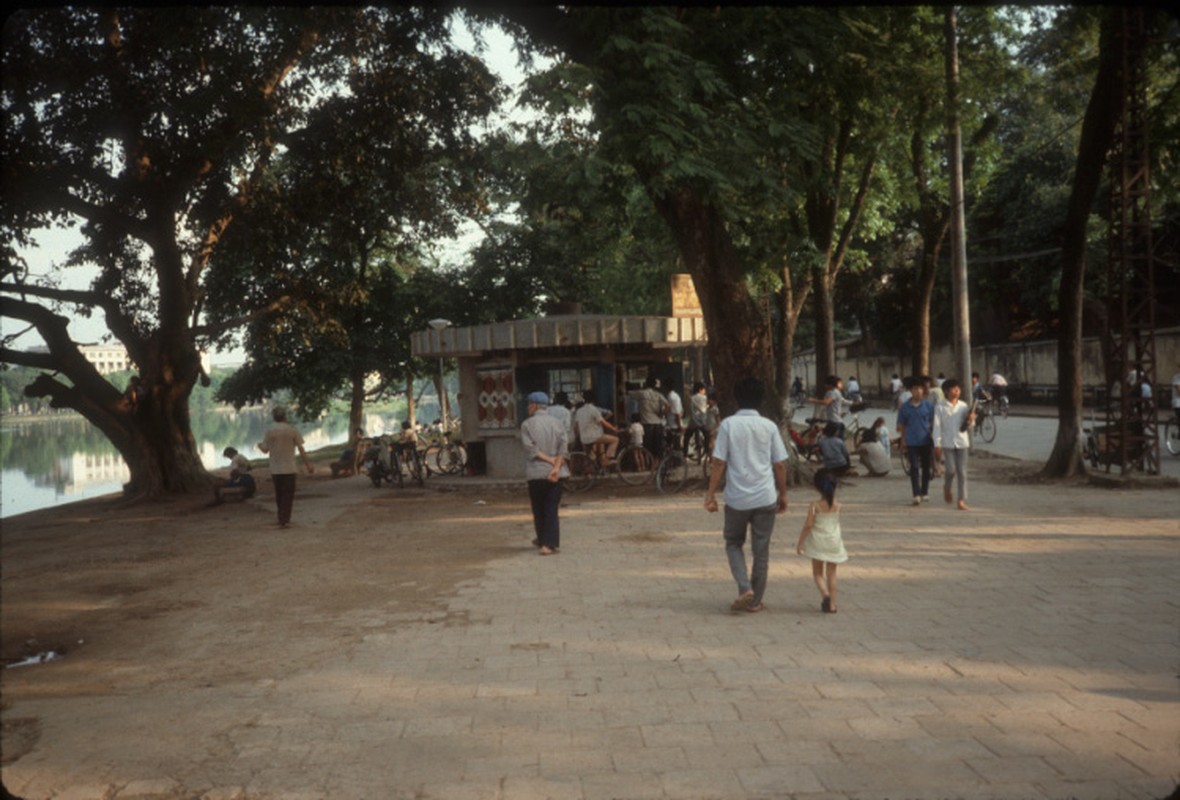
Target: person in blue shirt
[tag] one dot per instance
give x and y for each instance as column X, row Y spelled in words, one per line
column 915, row 423
column 750, row 456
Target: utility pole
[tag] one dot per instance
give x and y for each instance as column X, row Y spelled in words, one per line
column 954, row 141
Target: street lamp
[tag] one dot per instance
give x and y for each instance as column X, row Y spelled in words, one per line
column 440, row 325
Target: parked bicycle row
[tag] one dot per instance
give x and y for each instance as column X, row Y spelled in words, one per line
column 388, row 459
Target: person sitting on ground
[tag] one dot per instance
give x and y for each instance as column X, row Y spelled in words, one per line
column 875, row 450
column 834, row 451
column 239, row 477
column 880, row 433
column 350, row 460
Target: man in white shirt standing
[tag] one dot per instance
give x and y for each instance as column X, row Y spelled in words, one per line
column 675, row 410
column 750, row 455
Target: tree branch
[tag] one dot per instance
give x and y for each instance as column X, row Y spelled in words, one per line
column 213, row 329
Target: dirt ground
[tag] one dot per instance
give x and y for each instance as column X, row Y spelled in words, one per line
column 130, row 598
column 141, row 598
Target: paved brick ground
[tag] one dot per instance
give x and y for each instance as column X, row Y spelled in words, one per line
column 1026, row 649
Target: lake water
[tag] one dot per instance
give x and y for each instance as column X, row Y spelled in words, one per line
column 51, row 461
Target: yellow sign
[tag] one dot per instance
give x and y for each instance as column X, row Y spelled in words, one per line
column 685, row 302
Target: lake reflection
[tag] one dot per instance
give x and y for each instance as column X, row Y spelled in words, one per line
column 47, row 462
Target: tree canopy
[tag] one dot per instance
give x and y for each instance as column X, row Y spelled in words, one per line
column 290, row 173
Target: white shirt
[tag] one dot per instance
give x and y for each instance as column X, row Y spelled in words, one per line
column 948, row 419
column 589, row 422
column 998, row 380
column 750, row 445
column 874, row 458
column 675, row 409
column 280, row 443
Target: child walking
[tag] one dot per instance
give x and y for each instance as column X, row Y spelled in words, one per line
column 821, row 540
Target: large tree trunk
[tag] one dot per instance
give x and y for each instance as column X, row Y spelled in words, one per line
column 155, row 435
column 933, row 235
column 1098, row 126
column 739, row 335
column 356, row 404
column 959, row 289
column 822, row 207
column 825, row 326
column 790, row 307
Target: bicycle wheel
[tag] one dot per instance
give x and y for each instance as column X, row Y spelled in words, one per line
column 429, row 455
column 582, row 472
column 396, row 468
column 987, row 429
column 1172, row 437
column 1091, row 451
column 451, row 458
column 672, row 472
column 635, row 465
column 376, row 472
column 905, row 463
column 1004, row 407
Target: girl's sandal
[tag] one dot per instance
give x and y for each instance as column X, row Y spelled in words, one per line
column 826, row 605
column 755, row 609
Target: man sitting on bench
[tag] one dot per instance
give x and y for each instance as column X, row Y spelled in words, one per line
column 240, row 481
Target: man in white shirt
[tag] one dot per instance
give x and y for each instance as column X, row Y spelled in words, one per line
column 750, row 455
column 590, row 427
column 675, row 419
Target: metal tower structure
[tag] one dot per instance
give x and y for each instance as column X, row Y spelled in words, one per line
column 1132, row 440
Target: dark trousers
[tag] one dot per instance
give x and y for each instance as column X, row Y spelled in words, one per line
column 284, row 495
column 653, row 438
column 545, row 498
column 920, row 457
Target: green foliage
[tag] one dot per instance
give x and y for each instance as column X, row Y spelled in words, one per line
column 381, row 168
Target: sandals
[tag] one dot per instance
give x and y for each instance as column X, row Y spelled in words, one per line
column 755, row 608
column 743, row 603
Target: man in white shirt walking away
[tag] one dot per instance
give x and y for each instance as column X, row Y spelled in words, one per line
column 750, row 455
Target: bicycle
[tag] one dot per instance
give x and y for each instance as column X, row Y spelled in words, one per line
column 408, row 462
column 985, row 423
column 1172, row 437
column 672, row 471
column 633, row 464
column 696, row 444
column 853, row 430
column 449, row 457
column 807, row 442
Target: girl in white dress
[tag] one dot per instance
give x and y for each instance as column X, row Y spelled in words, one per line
column 821, row 540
